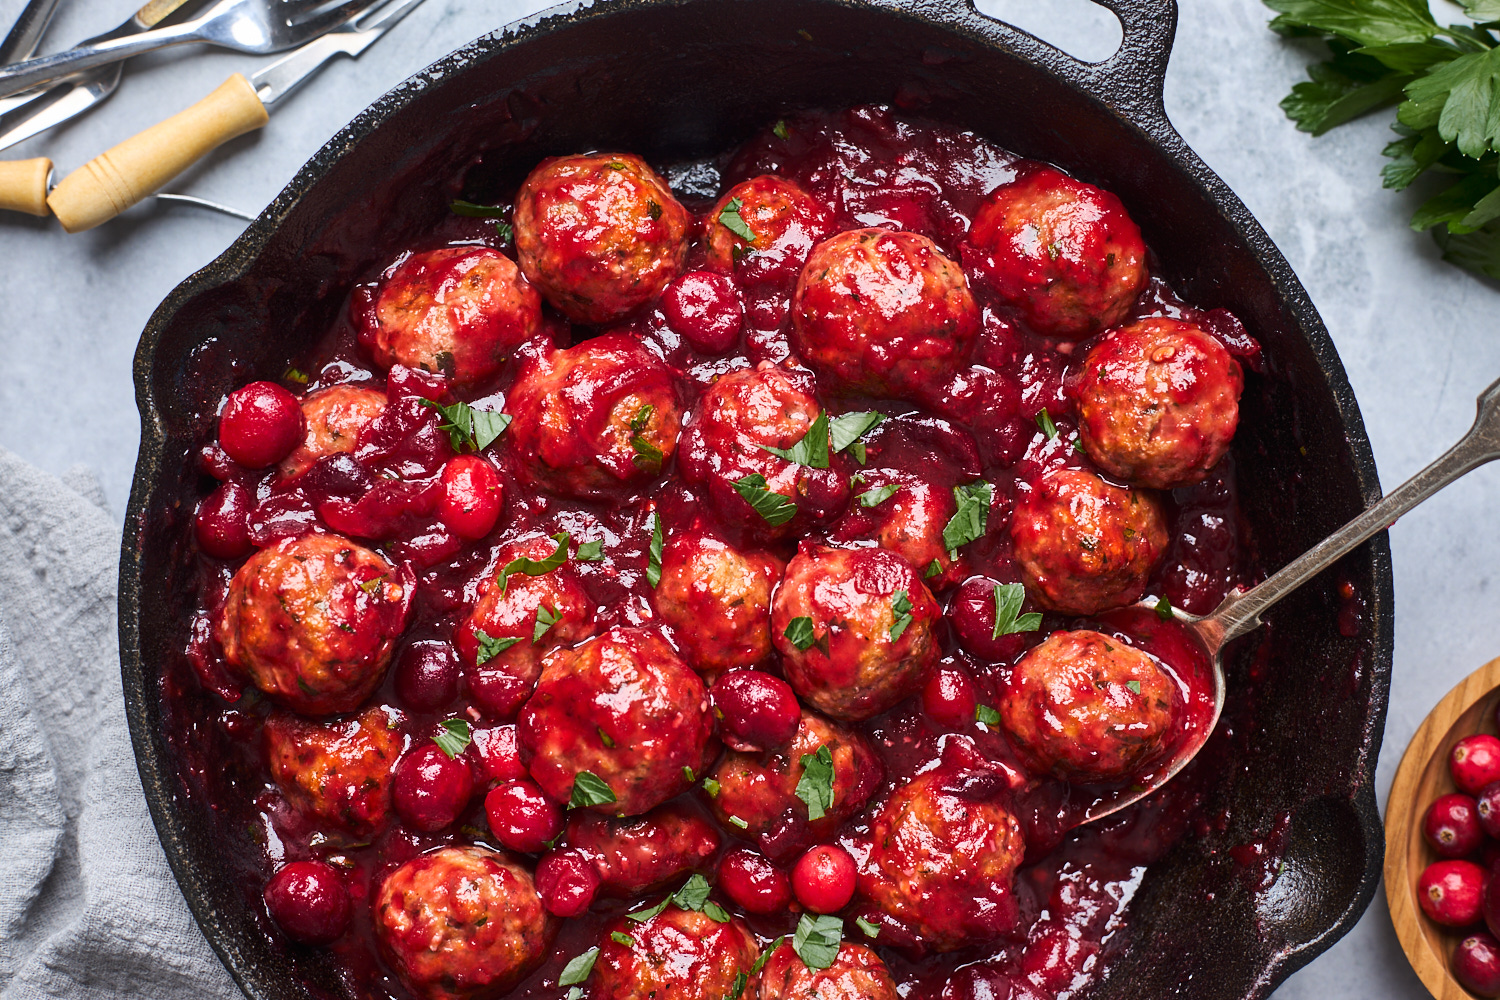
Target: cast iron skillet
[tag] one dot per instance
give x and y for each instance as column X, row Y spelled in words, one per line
column 677, row 79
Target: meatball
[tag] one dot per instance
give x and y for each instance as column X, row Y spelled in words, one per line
column 461, row 311
column 883, row 313
column 1084, row 545
column 337, row 772
column 757, row 793
column 498, row 644
column 462, row 923
column 718, row 600
column 645, row 852
column 591, row 419
column 624, row 708
column 906, row 514
column 866, row 629
column 1062, row 252
column 943, row 852
column 857, row 973
column 312, row 622
column 676, row 955
column 725, row 440
column 785, row 222
column 599, row 234
column 1158, row 402
column 334, row 417
column 1086, row 707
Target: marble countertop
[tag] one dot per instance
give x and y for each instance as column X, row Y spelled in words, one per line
column 1420, row 339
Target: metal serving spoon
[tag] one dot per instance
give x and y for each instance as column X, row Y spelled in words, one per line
column 1241, row 611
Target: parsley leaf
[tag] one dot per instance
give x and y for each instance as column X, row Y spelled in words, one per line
column 876, row 497
column 812, row 450
column 1164, row 609
column 620, row 937
column 711, row 787
column 476, row 211
column 847, row 429
column 536, row 567
column 901, row 606
column 641, row 916
column 1008, row 600
column 577, row 970
column 760, row 963
column 590, row 790
column 505, row 231
column 802, row 634
column 1044, row 421
column 739, row 822
column 871, row 929
column 969, row 522
column 986, row 715
column 574, row 992
column 737, row 988
column 773, row 508
column 590, row 551
column 648, row 457
column 932, row 570
column 454, row 738
column 467, row 427
column 490, row 647
column 817, row 939
column 780, row 129
column 815, row 787
column 545, row 619
column 687, row 773
column 1364, row 22
column 693, row 894
column 1134, row 686
column 653, row 555
column 731, row 220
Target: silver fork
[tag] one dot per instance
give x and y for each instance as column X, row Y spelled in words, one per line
column 256, row 26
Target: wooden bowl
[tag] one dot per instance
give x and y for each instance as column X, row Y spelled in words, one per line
column 1422, row 777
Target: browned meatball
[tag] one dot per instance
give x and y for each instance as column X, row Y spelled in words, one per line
column 676, row 955
column 784, row 220
column 717, row 599
column 624, row 708
column 1084, row 545
column 644, row 852
column 461, row 311
column 757, row 793
column 461, row 923
column 334, row 417
column 338, row 772
column 1158, row 402
column 883, row 313
column 599, row 234
column 1064, row 253
column 869, row 634
column 736, row 420
column 501, row 679
column 943, row 855
column 857, row 973
column 904, row 513
column 1087, row 707
column 312, row 622
column 594, row 418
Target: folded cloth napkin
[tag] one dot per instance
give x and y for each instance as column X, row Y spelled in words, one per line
column 88, row 907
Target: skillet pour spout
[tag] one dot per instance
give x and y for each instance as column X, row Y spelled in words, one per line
column 1287, row 778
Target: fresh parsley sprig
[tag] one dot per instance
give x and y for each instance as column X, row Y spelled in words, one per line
column 815, row 787
column 535, row 567
column 467, row 427
column 1008, row 618
column 812, row 450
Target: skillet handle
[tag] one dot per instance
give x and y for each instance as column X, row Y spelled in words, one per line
column 1134, row 76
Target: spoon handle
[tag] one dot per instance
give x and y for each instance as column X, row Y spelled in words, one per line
column 1240, row 612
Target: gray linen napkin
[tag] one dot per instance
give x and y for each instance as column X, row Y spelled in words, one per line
column 88, row 907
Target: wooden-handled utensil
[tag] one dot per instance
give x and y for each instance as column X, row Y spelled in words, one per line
column 23, row 185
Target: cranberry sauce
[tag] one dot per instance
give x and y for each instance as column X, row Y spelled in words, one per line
column 1006, row 418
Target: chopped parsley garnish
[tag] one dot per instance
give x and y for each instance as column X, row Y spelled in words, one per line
column 1164, row 609
column 620, row 937
column 773, row 508
column 1008, row 618
column 739, row 823
column 692, row 896
column 711, row 787
column 780, row 129
column 802, row 635
column 737, row 988
column 370, row 586
column 605, row 738
column 641, row 916
column 577, row 970
column 1078, row 446
column 901, row 605
column 986, row 715
column 504, row 230
column 536, row 567
column 653, row 554
column 1134, row 686
column 933, row 570
column 467, row 427
column 876, row 497
column 731, row 220
column 295, row 375
column 1044, row 421
column 476, row 211
column 653, row 209
column 545, row 619
column 490, row 647
column 812, row 450
column 969, row 522
column 871, row 930
column 648, row 457
column 590, row 790
column 590, row 551
column 454, row 738
column 687, row 773
column 817, row 939
column 760, row 963
column 847, row 429
column 815, row 787
column 575, row 992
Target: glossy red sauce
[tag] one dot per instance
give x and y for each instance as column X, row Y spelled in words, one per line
column 872, row 169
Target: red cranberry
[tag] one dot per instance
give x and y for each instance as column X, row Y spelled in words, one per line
column 567, row 882
column 756, row 710
column 1476, row 964
column 1489, row 854
column 949, row 698
column 499, row 753
column 521, row 817
column 471, row 497
column 748, row 878
column 222, row 523
column 1451, row 892
column 704, row 308
column 430, row 789
column 308, row 900
column 427, row 675
column 260, row 425
column 824, row 879
column 1486, row 809
column 973, row 617
column 1475, row 762
column 1452, row 826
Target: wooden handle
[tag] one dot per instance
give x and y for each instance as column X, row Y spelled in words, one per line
column 23, row 185
column 118, row 178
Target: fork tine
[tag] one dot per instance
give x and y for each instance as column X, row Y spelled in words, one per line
column 317, row 16
column 383, row 12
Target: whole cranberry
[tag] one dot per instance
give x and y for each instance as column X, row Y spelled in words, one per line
column 1489, row 854
column 704, row 308
column 1452, row 825
column 824, row 879
column 1476, row 964
column 1475, row 762
column 308, row 900
column 499, row 753
column 1486, row 809
column 567, row 882
column 1490, row 906
column 749, row 878
column 1452, row 892
column 755, row 710
column 427, row 675
column 222, row 523
column 260, row 425
column 973, row 617
column 949, row 698
column 471, row 497
column 521, row 817
column 430, row 789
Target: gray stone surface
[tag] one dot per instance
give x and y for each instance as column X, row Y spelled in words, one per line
column 1420, row 339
